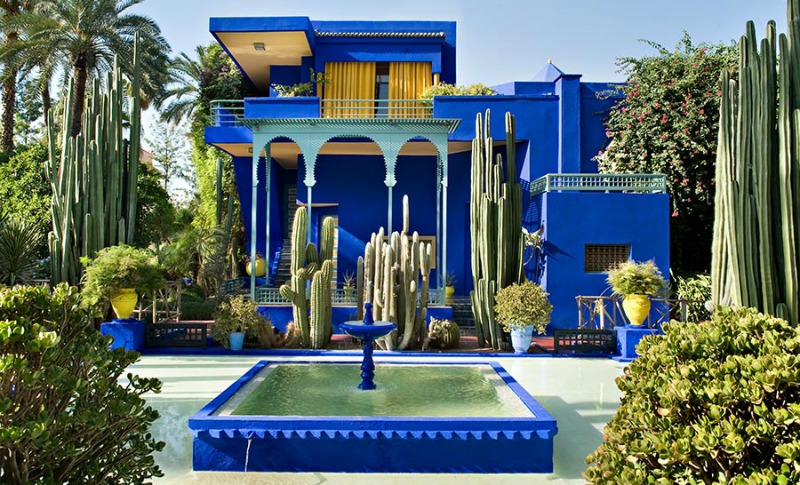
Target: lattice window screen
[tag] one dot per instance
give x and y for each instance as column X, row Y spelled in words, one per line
column 599, row 258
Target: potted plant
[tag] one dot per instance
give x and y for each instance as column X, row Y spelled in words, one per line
column 522, row 308
column 636, row 283
column 349, row 285
column 117, row 274
column 236, row 319
column 449, row 286
column 261, row 265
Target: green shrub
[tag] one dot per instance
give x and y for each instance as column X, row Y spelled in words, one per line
column 444, row 89
column 715, row 402
column 118, row 267
column 19, row 243
column 198, row 310
column 237, row 315
column 697, row 290
column 632, row 278
column 521, row 305
column 66, row 413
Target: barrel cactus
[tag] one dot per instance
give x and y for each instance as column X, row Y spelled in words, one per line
column 442, row 334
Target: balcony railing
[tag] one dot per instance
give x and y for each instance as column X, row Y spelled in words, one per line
column 655, row 183
column 376, row 108
column 227, row 112
column 231, row 112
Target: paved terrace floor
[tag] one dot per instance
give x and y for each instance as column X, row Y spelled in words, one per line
column 579, row 392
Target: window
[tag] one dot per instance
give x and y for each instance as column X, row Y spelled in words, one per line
column 381, row 89
column 599, row 258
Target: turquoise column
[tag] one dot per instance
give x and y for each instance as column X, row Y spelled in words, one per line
column 390, row 148
column 267, row 185
column 253, row 219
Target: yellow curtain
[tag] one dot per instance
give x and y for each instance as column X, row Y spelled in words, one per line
column 351, row 81
column 407, row 80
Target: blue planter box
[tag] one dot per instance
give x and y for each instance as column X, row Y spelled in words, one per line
column 128, row 333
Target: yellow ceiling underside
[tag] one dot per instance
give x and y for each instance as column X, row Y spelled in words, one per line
column 281, row 49
column 286, row 153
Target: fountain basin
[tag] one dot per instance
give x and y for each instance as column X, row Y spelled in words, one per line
column 457, row 441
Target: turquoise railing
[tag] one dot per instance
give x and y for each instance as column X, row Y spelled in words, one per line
column 655, row 183
column 230, row 112
column 339, row 297
column 227, row 112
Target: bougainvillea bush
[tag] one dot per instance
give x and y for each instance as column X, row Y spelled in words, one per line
column 713, row 402
column 67, row 414
column 668, row 123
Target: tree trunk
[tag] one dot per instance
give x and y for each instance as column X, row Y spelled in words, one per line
column 46, row 100
column 80, row 75
column 9, row 97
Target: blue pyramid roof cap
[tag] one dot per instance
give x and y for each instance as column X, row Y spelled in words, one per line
column 549, row 73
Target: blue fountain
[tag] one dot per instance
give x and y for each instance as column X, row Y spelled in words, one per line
column 367, row 331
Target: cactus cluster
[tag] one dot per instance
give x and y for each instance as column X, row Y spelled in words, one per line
column 757, row 227
column 308, row 264
column 396, row 281
column 442, row 334
column 93, row 175
column 495, row 227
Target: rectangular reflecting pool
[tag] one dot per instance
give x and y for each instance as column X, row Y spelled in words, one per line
column 439, row 418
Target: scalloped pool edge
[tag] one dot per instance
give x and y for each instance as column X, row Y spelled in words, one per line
column 373, row 444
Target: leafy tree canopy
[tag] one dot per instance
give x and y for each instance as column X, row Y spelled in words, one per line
column 668, row 124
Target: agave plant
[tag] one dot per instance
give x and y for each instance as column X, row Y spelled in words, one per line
column 19, row 242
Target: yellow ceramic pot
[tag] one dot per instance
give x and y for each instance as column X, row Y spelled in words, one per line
column 636, row 307
column 261, row 267
column 123, row 302
column 449, row 291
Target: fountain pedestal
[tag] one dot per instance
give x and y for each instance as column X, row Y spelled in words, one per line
column 367, row 331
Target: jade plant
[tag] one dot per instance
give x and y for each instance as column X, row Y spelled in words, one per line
column 523, row 304
column 711, row 402
column 71, row 409
column 120, row 267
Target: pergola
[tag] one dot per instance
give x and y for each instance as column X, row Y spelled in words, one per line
column 310, row 134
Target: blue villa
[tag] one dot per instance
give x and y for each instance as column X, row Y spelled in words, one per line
column 364, row 140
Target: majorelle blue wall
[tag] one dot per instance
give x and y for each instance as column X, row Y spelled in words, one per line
column 440, row 52
column 572, row 220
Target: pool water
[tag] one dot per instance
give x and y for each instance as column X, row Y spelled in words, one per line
column 403, row 390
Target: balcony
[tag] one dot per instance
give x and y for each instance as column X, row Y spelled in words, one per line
column 229, row 112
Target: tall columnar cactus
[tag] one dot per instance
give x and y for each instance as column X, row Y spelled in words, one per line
column 495, row 227
column 93, row 176
column 305, row 265
column 397, row 281
column 756, row 227
column 360, row 288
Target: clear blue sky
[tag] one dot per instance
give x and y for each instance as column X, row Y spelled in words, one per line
column 504, row 40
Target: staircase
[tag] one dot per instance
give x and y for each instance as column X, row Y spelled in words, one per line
column 284, row 272
column 462, row 311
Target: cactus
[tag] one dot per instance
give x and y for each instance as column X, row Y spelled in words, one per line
column 93, row 176
column 396, row 278
column 360, row 288
column 756, row 226
column 442, row 334
column 495, row 227
column 308, row 264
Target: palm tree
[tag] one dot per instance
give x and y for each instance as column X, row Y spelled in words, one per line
column 10, row 8
column 184, row 91
column 88, row 34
